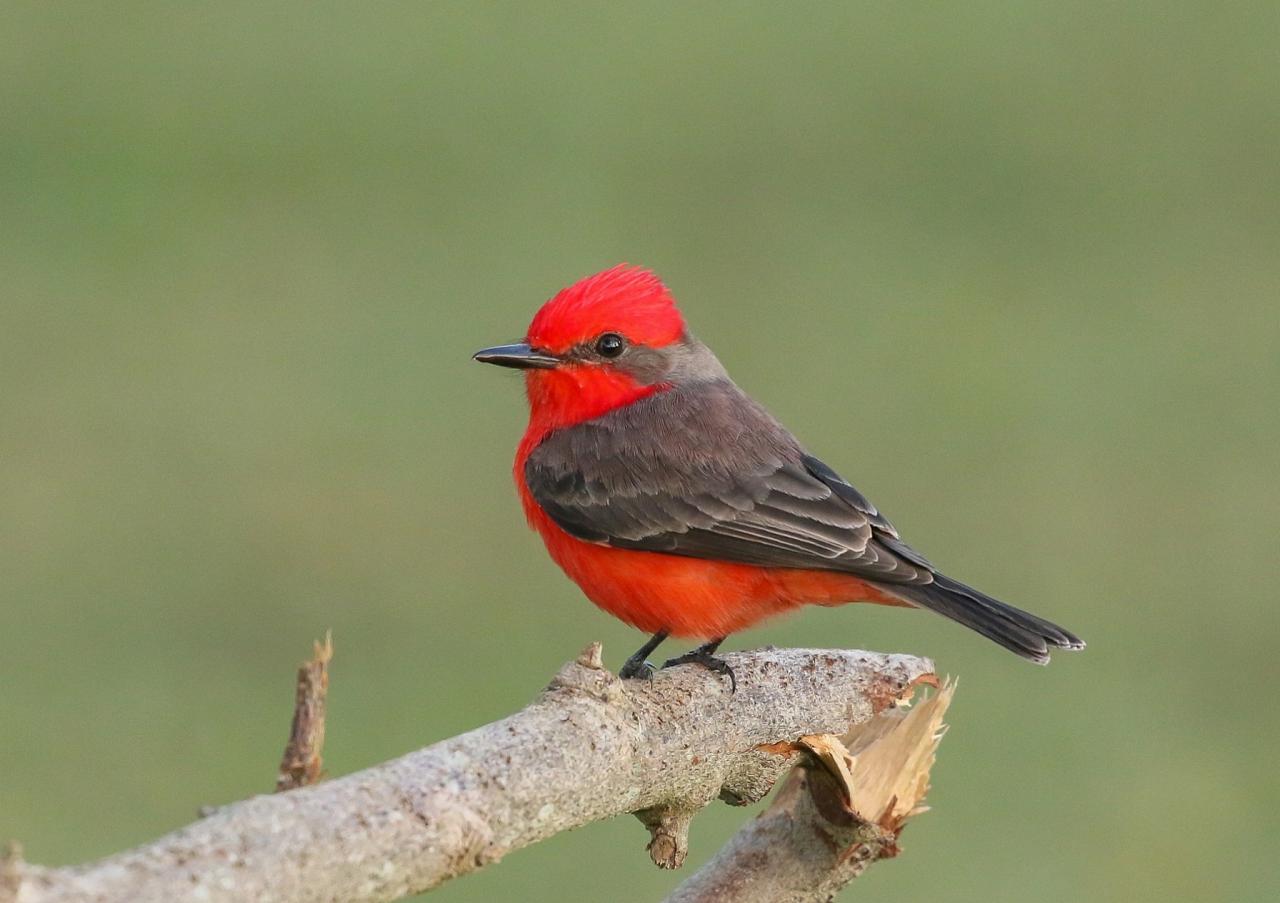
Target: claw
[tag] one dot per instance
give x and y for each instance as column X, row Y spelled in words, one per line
column 637, row 670
column 636, row 666
column 702, row 656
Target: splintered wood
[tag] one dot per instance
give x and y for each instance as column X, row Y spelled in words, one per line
column 301, row 764
column 881, row 767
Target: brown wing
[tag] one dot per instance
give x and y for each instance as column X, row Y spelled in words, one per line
column 709, row 474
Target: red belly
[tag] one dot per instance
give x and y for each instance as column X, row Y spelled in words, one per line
column 694, row 597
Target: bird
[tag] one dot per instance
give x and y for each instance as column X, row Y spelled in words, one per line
column 679, row 505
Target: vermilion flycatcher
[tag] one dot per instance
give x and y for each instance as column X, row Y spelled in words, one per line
column 678, row 504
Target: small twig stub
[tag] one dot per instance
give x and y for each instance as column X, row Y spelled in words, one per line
column 10, row 870
column 302, row 764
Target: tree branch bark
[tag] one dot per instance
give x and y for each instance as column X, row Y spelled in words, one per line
column 589, row 747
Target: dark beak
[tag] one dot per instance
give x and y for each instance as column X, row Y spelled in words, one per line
column 519, row 355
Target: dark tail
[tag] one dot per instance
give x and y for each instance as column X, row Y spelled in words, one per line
column 1014, row 629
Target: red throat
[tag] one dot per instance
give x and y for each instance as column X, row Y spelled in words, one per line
column 570, row 395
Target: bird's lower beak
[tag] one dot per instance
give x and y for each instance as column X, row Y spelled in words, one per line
column 519, row 355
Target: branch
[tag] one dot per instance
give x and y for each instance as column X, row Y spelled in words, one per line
column 589, row 747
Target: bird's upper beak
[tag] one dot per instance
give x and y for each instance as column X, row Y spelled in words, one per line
column 519, row 355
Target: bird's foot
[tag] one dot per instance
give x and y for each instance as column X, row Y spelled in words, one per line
column 703, row 656
column 637, row 668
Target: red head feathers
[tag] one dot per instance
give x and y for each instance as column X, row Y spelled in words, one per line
column 625, row 299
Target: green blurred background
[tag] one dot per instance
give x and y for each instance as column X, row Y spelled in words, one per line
column 1012, row 268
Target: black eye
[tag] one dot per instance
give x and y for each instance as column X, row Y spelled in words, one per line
column 610, row 345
